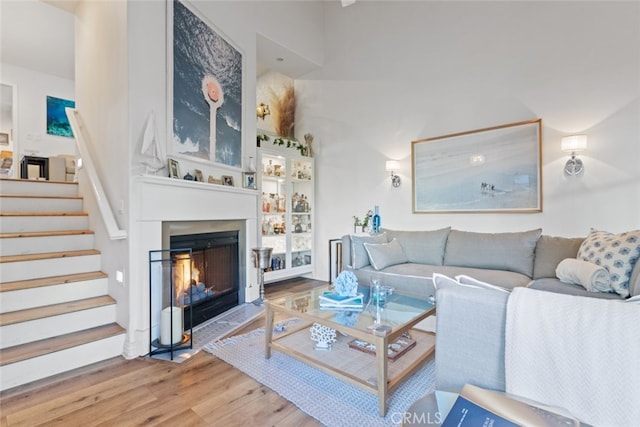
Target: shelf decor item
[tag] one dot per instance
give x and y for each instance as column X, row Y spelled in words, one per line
column 324, row 336
column 170, row 273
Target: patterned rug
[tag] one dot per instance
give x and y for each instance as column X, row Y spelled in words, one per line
column 213, row 329
column 331, row 401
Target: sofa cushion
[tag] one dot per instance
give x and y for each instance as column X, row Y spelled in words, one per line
column 423, row 247
column 382, row 255
column 617, row 253
column 499, row 251
column 359, row 256
column 555, row 285
column 550, row 251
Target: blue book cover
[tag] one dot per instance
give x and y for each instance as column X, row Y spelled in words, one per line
column 465, row 413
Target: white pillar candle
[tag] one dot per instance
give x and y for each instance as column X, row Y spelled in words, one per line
column 167, row 334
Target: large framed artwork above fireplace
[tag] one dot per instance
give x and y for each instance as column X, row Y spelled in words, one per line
column 164, row 208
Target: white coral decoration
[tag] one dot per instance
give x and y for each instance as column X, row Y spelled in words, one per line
column 346, row 284
column 322, row 335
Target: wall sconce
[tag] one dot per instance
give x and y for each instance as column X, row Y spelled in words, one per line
column 262, row 110
column 392, row 166
column 572, row 144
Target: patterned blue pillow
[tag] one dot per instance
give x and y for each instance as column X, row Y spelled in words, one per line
column 617, row 253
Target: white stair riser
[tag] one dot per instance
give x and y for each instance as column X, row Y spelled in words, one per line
column 43, row 244
column 29, row 370
column 34, row 188
column 30, row 204
column 39, row 329
column 36, row 269
column 23, row 224
column 54, row 294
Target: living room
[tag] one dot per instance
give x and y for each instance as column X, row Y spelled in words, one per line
column 386, row 74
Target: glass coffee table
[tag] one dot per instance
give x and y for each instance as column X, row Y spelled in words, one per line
column 353, row 357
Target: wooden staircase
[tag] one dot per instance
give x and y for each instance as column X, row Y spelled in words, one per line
column 55, row 311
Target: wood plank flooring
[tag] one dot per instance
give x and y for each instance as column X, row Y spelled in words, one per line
column 203, row 391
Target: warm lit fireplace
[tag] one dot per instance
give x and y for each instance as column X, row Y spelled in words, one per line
column 211, row 286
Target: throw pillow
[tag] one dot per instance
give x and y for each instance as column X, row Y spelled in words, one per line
column 617, row 253
column 550, row 251
column 586, row 274
column 359, row 256
column 383, row 255
column 497, row 251
column 422, row 247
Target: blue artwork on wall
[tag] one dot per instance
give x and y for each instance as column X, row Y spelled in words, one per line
column 57, row 121
column 207, row 92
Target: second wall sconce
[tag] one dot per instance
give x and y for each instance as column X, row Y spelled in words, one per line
column 572, row 144
column 262, row 110
column 392, row 166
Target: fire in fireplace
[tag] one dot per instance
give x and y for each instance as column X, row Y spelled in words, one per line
column 215, row 275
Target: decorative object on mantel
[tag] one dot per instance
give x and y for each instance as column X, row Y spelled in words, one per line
column 309, row 140
column 323, row 335
column 249, row 180
column 188, row 177
column 213, row 180
column 227, row 180
column 284, row 112
column 174, row 169
column 152, row 153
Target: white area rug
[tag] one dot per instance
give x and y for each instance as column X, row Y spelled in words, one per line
column 213, row 329
column 331, row 401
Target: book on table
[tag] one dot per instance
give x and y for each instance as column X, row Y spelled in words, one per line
column 332, row 300
column 476, row 406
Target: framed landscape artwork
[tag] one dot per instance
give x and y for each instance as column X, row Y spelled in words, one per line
column 205, row 88
column 495, row 169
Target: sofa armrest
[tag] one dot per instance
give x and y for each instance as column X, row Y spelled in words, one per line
column 470, row 331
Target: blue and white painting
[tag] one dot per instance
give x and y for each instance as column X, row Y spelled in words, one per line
column 57, row 120
column 496, row 169
column 207, row 91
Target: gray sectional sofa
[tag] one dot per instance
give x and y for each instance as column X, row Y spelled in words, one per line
column 406, row 260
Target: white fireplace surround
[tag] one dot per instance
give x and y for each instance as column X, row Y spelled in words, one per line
column 162, row 207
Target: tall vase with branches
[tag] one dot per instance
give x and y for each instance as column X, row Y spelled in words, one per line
column 284, row 112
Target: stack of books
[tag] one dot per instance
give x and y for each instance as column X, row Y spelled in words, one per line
column 334, row 301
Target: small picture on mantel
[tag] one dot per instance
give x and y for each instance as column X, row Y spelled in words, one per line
column 249, row 180
column 199, row 176
column 227, row 180
column 174, row 169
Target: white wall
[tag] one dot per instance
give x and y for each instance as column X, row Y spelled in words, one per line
column 32, row 88
column 103, row 101
column 414, row 70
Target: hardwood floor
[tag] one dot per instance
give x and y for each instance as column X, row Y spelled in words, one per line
column 203, row 391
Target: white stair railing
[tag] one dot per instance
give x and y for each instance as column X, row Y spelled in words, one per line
column 115, row 232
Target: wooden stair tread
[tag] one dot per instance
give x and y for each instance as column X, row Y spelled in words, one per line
column 38, row 196
column 62, row 342
column 45, row 233
column 48, row 255
column 19, row 316
column 50, row 281
column 10, row 214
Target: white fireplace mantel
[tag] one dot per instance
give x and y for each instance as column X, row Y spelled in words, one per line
column 159, row 200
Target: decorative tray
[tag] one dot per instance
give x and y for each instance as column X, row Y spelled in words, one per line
column 396, row 349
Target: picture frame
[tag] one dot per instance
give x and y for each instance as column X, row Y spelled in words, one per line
column 199, row 176
column 174, row 169
column 249, row 180
column 4, row 138
column 57, row 120
column 490, row 170
column 227, row 180
column 204, row 112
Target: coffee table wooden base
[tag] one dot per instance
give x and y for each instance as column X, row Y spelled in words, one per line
column 375, row 374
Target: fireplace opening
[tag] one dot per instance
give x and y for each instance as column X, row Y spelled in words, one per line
column 215, row 278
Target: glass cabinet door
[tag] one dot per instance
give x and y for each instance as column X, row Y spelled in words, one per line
column 286, row 212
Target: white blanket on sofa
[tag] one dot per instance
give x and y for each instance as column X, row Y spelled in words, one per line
column 579, row 353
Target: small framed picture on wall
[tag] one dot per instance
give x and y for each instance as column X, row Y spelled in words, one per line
column 249, row 180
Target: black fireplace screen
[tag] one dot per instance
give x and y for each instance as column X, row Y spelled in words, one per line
column 215, row 274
